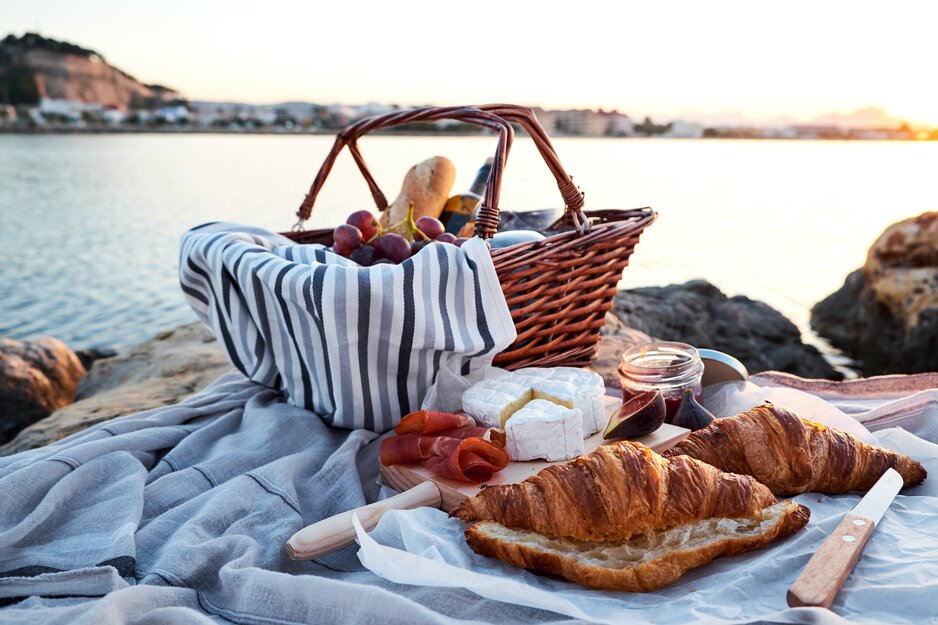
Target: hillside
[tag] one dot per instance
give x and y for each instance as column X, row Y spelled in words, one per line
column 34, row 67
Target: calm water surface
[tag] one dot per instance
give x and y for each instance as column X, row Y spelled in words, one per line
column 91, row 224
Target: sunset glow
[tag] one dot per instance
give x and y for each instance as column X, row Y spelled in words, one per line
column 668, row 59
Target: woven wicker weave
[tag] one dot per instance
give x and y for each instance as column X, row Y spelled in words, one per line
column 558, row 289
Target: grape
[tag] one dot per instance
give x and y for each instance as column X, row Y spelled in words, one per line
column 382, row 261
column 365, row 222
column 394, row 247
column 342, row 250
column 346, row 239
column 446, row 237
column 365, row 255
column 430, row 226
column 459, row 241
column 416, row 246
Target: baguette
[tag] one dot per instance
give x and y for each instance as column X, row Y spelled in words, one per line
column 792, row 455
column 427, row 184
column 642, row 563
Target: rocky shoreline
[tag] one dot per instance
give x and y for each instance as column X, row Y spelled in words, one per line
column 698, row 313
column 159, row 372
column 886, row 313
column 184, row 360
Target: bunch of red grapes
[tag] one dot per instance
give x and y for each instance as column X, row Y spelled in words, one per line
column 361, row 239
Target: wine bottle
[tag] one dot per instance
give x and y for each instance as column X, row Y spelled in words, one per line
column 459, row 209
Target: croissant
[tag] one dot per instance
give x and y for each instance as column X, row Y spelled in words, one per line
column 625, row 518
column 616, row 492
column 792, row 455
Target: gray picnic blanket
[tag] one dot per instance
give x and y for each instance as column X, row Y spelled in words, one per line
column 179, row 515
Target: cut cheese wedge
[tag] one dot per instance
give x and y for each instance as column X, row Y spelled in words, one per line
column 540, row 409
column 573, row 388
column 542, row 429
column 493, row 401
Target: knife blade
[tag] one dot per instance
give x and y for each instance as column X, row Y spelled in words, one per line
column 829, row 567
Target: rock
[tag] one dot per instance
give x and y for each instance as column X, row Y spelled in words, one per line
column 159, row 372
column 699, row 313
column 37, row 377
column 885, row 316
column 89, row 355
column 902, row 268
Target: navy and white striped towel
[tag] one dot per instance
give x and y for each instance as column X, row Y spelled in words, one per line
column 359, row 346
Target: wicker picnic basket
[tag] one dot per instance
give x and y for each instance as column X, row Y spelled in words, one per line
column 558, row 289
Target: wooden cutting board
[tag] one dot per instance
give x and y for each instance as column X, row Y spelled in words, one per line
column 421, row 487
column 403, row 477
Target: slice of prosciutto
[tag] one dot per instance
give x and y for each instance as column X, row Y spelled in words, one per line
column 472, row 460
column 448, row 444
column 428, row 422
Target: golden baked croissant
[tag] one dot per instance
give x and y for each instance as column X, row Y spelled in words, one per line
column 625, row 518
column 616, row 492
column 792, row 455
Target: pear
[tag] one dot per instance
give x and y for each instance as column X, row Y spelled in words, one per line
column 639, row 416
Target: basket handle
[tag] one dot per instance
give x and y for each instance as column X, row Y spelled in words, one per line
column 572, row 196
column 493, row 116
column 486, row 224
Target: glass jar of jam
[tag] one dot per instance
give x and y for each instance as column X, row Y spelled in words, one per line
column 667, row 366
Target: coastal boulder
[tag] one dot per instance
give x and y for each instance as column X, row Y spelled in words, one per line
column 698, row 313
column 158, row 372
column 37, row 377
column 885, row 316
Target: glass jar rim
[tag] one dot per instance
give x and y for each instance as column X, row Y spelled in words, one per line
column 685, row 359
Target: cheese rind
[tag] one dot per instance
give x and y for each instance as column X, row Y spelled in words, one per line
column 543, row 429
column 572, row 387
column 493, row 401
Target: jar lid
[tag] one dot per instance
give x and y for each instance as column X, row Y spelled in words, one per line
column 659, row 357
column 721, row 367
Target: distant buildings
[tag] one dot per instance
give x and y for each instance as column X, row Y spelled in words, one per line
column 685, row 130
column 70, row 110
column 585, row 122
column 903, row 132
column 167, row 110
column 818, row 132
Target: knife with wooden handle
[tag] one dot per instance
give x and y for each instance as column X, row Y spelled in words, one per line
column 829, row 567
column 337, row 531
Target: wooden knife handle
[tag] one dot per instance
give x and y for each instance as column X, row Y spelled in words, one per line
column 829, row 567
column 337, row 531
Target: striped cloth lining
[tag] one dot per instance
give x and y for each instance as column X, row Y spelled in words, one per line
column 359, row 346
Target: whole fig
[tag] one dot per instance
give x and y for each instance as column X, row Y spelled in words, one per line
column 690, row 414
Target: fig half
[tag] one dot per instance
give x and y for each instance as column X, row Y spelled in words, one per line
column 640, row 416
column 690, row 414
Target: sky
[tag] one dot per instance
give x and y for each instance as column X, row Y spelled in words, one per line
column 664, row 58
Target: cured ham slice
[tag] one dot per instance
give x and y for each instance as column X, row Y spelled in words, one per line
column 428, row 422
column 413, row 447
column 473, row 460
column 448, row 444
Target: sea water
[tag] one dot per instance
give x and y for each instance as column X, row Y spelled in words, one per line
column 90, row 224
